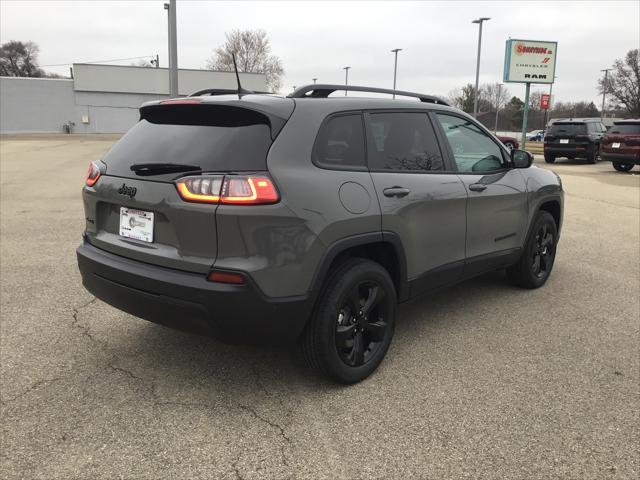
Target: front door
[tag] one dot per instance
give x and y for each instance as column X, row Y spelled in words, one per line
column 497, row 206
column 420, row 202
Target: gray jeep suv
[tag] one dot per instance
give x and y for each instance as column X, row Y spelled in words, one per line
column 308, row 218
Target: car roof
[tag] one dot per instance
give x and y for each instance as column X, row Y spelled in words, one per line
column 631, row 121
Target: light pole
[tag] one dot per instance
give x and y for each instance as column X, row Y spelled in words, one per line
column 604, row 89
column 495, row 128
column 346, row 78
column 395, row 69
column 314, row 80
column 475, row 96
column 173, row 48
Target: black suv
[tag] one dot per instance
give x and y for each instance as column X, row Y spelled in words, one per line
column 308, row 218
column 574, row 138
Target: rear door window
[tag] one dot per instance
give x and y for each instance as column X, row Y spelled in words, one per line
column 213, row 138
column 340, row 143
column 403, row 142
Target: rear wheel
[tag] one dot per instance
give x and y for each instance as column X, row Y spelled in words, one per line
column 623, row 167
column 351, row 329
column 593, row 157
column 549, row 158
column 536, row 262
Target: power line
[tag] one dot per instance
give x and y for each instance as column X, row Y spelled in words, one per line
column 99, row 61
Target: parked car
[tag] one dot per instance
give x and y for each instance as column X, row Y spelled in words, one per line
column 535, row 136
column 621, row 145
column 509, row 142
column 574, row 138
column 308, row 218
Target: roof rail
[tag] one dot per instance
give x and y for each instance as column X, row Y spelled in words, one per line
column 324, row 90
column 214, row 91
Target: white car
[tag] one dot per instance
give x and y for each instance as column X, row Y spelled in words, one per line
column 535, row 136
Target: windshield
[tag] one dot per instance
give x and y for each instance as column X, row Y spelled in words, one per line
column 568, row 128
column 626, row 128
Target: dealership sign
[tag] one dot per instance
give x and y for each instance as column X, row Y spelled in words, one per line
column 530, row 61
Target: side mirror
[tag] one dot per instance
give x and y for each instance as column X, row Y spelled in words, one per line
column 521, row 159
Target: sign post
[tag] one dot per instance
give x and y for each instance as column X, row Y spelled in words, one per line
column 529, row 61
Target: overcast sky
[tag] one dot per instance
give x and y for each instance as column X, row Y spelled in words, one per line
column 317, row 39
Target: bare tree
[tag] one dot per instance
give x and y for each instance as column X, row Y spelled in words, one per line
column 19, row 59
column 253, row 55
column 496, row 95
column 623, row 83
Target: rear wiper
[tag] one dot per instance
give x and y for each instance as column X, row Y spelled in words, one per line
column 159, row 168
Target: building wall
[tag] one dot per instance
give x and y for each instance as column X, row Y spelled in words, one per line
column 100, row 98
column 29, row 105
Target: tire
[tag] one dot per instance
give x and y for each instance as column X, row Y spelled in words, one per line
column 535, row 264
column 623, row 167
column 331, row 338
column 593, row 157
column 549, row 158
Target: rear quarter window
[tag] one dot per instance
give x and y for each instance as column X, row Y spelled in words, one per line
column 340, row 143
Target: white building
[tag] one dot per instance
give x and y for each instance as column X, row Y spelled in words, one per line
column 100, row 98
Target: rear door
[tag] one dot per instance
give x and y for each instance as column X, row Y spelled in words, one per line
column 137, row 191
column 421, row 200
column 497, row 209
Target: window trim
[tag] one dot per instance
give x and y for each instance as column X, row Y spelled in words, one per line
column 369, row 134
column 347, row 168
column 505, row 157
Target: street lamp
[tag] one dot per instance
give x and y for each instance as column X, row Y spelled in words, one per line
column 604, row 89
column 395, row 69
column 346, row 78
column 495, row 128
column 475, row 96
column 314, row 80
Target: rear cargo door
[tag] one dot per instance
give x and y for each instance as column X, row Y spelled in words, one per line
column 135, row 211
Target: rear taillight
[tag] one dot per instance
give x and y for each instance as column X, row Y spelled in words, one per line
column 230, row 190
column 92, row 175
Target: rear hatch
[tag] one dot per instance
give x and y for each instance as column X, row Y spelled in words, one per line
column 134, row 209
column 623, row 137
column 568, row 135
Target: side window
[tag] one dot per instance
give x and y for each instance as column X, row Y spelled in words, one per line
column 340, row 143
column 403, row 142
column 473, row 149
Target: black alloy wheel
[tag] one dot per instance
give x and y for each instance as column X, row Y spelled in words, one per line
column 543, row 252
column 361, row 326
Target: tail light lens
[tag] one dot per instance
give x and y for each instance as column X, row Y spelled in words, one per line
column 93, row 174
column 226, row 277
column 230, row 189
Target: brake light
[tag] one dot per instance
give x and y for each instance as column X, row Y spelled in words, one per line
column 92, row 175
column 230, row 190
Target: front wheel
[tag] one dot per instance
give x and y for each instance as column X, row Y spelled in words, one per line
column 623, row 167
column 536, row 262
column 351, row 329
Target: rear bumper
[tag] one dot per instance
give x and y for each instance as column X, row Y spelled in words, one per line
column 187, row 301
column 573, row 151
column 621, row 157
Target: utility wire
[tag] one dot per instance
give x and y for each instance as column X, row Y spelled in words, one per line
column 99, row 61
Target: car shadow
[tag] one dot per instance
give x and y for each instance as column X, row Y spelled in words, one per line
column 184, row 365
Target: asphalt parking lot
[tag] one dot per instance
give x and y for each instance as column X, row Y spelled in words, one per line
column 482, row 380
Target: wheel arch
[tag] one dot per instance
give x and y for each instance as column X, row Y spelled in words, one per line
column 384, row 248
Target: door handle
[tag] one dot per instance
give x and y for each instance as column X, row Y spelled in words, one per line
column 396, row 192
column 477, row 187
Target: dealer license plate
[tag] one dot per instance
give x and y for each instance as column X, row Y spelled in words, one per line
column 615, row 145
column 564, row 140
column 136, row 224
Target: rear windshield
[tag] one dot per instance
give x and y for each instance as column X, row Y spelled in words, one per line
column 212, row 138
column 625, row 128
column 568, row 128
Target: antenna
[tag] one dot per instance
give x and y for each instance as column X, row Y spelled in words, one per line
column 241, row 91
